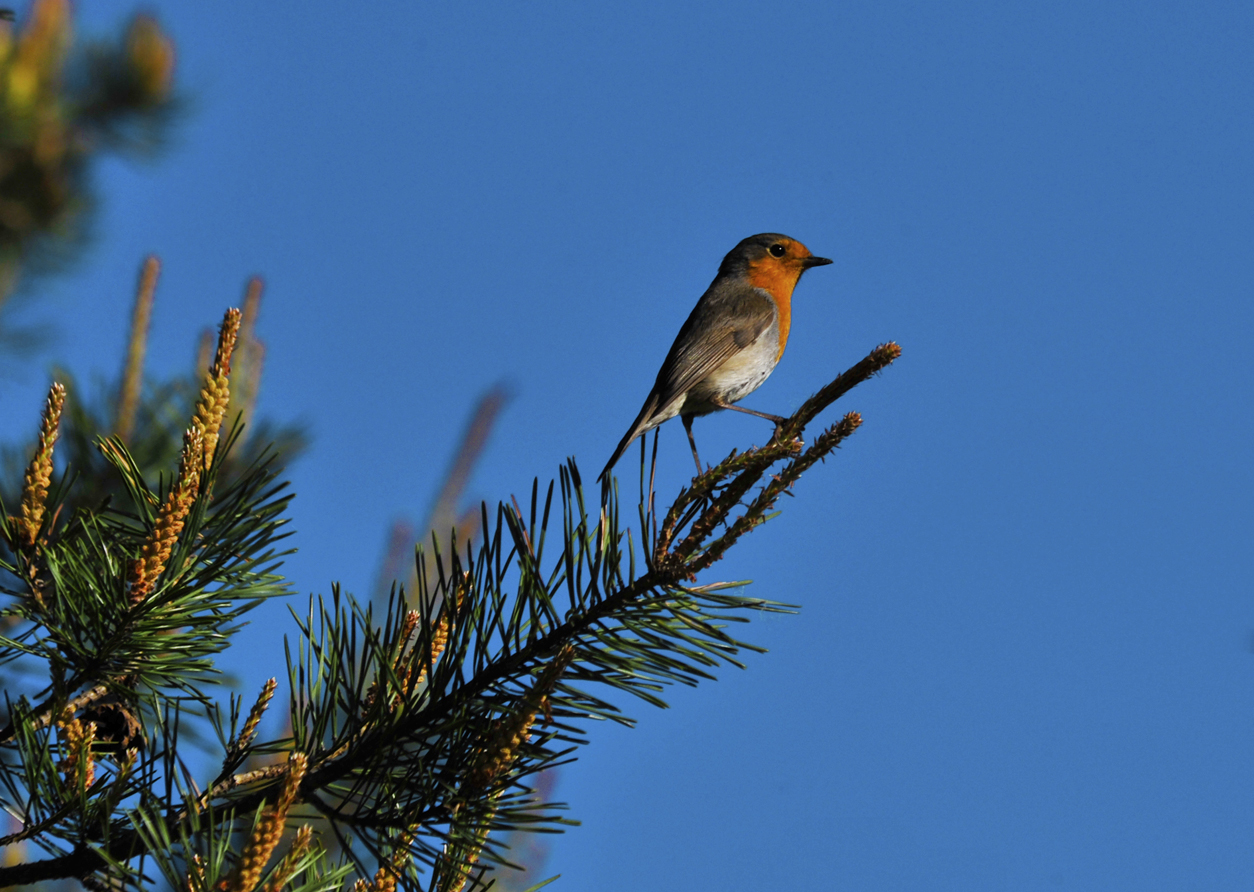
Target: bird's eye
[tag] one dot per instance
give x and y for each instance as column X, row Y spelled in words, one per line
column 777, row 250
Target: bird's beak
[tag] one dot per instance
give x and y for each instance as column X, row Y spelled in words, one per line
column 814, row 261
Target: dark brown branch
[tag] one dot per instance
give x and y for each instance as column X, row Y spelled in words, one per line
column 44, row 714
column 879, row 359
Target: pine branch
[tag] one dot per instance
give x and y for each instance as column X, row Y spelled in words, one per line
column 420, row 732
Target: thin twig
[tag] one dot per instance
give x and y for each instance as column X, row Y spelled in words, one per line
column 133, row 370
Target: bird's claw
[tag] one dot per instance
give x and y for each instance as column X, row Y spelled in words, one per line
column 777, row 437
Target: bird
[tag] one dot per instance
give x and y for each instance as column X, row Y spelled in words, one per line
column 732, row 340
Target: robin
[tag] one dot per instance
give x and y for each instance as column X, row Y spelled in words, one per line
column 732, row 340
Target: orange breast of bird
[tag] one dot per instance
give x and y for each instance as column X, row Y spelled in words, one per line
column 777, row 280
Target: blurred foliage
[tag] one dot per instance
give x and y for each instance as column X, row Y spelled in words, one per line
column 60, row 109
column 150, row 416
column 448, row 514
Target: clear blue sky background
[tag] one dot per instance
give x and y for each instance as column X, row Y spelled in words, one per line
column 1023, row 660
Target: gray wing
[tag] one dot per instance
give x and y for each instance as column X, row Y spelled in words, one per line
column 691, row 358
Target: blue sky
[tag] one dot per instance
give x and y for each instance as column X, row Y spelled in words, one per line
column 1023, row 659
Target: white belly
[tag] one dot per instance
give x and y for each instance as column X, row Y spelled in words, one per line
column 735, row 379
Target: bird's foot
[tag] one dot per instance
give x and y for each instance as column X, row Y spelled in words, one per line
column 777, row 438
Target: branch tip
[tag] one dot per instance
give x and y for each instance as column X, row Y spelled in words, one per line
column 133, row 370
column 170, row 519
column 38, row 478
column 215, row 394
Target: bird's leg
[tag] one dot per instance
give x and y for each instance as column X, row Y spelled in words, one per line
column 778, row 419
column 652, row 474
column 687, row 420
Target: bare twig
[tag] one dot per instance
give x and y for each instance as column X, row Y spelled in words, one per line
column 133, row 370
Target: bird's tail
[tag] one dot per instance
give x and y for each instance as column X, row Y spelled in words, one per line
column 643, row 423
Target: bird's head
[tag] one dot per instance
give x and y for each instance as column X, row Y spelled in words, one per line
column 771, row 261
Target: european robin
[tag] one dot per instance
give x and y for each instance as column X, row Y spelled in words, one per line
column 732, row 340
